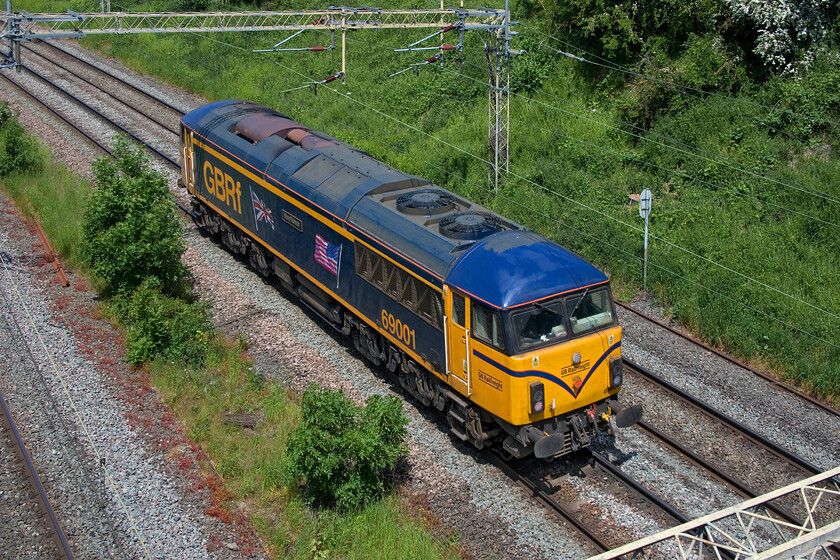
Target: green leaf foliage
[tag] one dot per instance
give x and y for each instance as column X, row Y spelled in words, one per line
column 164, row 327
column 130, row 231
column 18, row 150
column 341, row 450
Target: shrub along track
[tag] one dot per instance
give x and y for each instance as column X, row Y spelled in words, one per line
column 470, row 496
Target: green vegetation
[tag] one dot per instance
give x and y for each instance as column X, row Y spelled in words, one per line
column 129, row 232
column 340, row 449
column 254, row 463
column 727, row 113
column 203, row 377
column 18, row 150
column 131, row 239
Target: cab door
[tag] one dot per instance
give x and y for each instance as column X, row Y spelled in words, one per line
column 457, row 323
column 187, row 160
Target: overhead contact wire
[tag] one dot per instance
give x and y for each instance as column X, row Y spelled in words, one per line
column 680, row 173
column 690, row 150
column 596, row 238
column 610, row 65
column 581, row 204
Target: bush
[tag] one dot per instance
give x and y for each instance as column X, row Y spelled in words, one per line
column 129, row 230
column 341, row 451
column 162, row 327
column 18, row 150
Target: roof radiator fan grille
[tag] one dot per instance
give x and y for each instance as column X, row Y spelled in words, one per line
column 469, row 225
column 426, row 201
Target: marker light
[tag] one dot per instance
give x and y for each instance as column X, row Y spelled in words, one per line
column 616, row 372
column 537, row 397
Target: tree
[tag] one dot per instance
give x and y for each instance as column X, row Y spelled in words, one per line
column 130, row 232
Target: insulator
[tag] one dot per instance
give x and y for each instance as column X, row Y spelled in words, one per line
column 447, row 47
column 317, row 48
column 328, row 80
column 431, row 60
column 447, row 28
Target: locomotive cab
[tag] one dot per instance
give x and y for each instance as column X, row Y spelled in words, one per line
column 538, row 345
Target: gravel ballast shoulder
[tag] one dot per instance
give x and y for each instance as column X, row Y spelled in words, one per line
column 98, row 436
column 465, row 495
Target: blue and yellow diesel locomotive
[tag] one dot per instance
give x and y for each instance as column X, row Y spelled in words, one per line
column 512, row 335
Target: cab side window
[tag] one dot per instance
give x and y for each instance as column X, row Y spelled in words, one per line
column 458, row 309
column 487, row 325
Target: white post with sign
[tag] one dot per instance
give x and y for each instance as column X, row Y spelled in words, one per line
column 644, row 211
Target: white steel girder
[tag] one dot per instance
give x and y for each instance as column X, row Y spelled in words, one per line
column 38, row 26
column 743, row 531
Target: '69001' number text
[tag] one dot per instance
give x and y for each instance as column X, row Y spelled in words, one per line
column 398, row 329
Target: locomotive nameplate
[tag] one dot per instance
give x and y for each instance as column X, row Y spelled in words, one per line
column 293, row 221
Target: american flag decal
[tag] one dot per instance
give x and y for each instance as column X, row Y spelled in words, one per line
column 327, row 254
column 262, row 213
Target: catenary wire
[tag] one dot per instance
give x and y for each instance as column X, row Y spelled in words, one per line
column 690, row 151
column 601, row 241
column 680, row 173
column 565, row 197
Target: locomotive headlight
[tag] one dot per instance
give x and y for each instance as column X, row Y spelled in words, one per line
column 616, row 373
column 537, row 397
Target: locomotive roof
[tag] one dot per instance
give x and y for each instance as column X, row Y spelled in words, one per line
column 517, row 267
column 428, row 225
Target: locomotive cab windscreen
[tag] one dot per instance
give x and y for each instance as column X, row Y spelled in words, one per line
column 543, row 324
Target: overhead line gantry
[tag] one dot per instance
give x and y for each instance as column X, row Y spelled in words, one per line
column 18, row 26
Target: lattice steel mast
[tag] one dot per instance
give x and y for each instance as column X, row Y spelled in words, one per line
column 748, row 531
column 23, row 25
column 498, row 104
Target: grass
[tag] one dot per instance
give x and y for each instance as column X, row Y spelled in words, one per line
column 249, row 462
column 56, row 197
column 742, row 251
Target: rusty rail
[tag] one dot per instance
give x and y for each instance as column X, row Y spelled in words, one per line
column 51, row 255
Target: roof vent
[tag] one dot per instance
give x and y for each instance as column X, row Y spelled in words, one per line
column 426, row 201
column 469, row 225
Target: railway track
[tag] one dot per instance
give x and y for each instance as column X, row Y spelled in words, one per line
column 596, row 541
column 769, row 378
column 53, row 527
column 789, row 466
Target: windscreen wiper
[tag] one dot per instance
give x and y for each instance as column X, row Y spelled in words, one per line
column 586, row 291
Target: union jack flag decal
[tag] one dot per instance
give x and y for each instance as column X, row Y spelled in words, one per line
column 262, row 213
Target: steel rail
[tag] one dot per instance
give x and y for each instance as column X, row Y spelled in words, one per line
column 57, row 532
column 57, row 114
column 637, row 486
column 108, row 93
column 115, row 77
column 780, row 384
column 642, row 490
column 545, row 500
column 742, row 489
column 100, row 115
column 165, row 157
column 756, row 438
